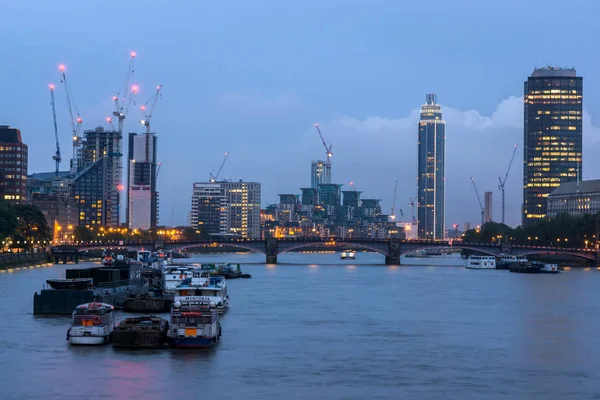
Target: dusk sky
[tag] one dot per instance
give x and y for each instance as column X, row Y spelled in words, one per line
column 252, row 78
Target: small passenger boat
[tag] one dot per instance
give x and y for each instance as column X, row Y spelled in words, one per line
column 92, row 323
column 141, row 333
column 71, row 284
column 194, row 323
column 481, row 262
column 348, row 255
column 207, row 287
column 506, row 260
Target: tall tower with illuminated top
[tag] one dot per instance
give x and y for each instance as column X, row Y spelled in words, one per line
column 552, row 143
column 431, row 179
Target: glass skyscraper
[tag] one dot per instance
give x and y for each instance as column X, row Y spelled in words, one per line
column 320, row 174
column 431, row 191
column 552, row 136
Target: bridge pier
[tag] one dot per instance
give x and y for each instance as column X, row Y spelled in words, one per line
column 272, row 248
column 393, row 255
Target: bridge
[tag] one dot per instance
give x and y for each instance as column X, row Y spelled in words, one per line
column 392, row 249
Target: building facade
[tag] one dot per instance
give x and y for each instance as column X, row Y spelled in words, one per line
column 431, row 191
column 320, row 173
column 553, row 101
column 227, row 208
column 97, row 184
column 13, row 165
column 487, row 207
column 142, row 196
column 575, row 199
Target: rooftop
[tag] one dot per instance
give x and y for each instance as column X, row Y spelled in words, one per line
column 570, row 188
column 49, row 175
column 550, row 71
column 9, row 135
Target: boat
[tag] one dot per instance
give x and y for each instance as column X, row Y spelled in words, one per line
column 229, row 272
column 348, row 255
column 194, row 323
column 180, row 254
column 174, row 275
column 71, row 284
column 481, row 262
column 147, row 303
column 207, row 287
column 149, row 332
column 92, row 323
column 506, row 260
column 546, row 268
column 108, row 260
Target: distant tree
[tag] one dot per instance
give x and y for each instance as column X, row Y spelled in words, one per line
column 8, row 220
column 31, row 223
column 83, row 234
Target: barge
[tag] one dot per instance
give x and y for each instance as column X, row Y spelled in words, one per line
column 141, row 333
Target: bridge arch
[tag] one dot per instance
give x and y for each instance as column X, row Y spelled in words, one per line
column 585, row 256
column 237, row 245
column 353, row 245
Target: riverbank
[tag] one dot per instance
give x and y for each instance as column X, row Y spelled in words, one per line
column 12, row 260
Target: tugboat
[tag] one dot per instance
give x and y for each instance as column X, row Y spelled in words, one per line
column 348, row 255
column 141, row 333
column 194, row 323
column 92, row 323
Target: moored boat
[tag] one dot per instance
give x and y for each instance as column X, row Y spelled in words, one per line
column 481, row 262
column 546, row 268
column 207, row 287
column 146, row 303
column 92, row 323
column 149, row 332
column 348, row 255
column 506, row 260
column 194, row 323
column 108, row 260
column 71, row 284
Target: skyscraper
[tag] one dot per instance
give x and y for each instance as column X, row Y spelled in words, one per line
column 487, row 207
column 431, row 192
column 13, row 165
column 320, row 173
column 553, row 100
column 97, row 184
column 142, row 204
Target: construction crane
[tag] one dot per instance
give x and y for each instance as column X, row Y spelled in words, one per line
column 503, row 181
column 353, row 186
column 412, row 205
column 109, row 120
column 147, row 116
column 57, row 158
column 157, row 172
column 75, row 123
column 393, row 213
column 213, row 178
column 122, row 104
column 478, row 199
column 327, row 148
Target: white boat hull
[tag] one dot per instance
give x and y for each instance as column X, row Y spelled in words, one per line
column 481, row 267
column 88, row 340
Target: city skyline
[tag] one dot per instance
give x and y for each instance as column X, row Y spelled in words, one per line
column 275, row 99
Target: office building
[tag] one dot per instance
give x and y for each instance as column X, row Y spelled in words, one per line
column 310, row 196
column 227, row 208
column 320, row 174
column 575, row 199
column 553, row 100
column 13, row 165
column 142, row 197
column 431, row 179
column 487, row 207
column 97, row 184
column 210, row 210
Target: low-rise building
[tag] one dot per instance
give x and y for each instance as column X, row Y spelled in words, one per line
column 575, row 199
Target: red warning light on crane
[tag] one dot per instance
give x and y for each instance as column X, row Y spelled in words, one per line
column 51, row 86
column 62, row 68
column 133, row 54
column 135, row 88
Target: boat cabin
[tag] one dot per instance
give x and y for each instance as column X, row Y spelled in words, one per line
column 93, row 314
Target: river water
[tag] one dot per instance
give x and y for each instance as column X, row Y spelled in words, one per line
column 316, row 327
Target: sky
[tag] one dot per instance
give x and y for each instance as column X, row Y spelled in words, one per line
column 253, row 77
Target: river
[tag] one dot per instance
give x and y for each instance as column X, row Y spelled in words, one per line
column 316, row 327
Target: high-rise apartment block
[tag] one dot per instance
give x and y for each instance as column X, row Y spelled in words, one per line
column 431, row 171
column 227, row 208
column 97, row 184
column 142, row 197
column 320, row 174
column 487, row 207
column 13, row 165
column 553, row 100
